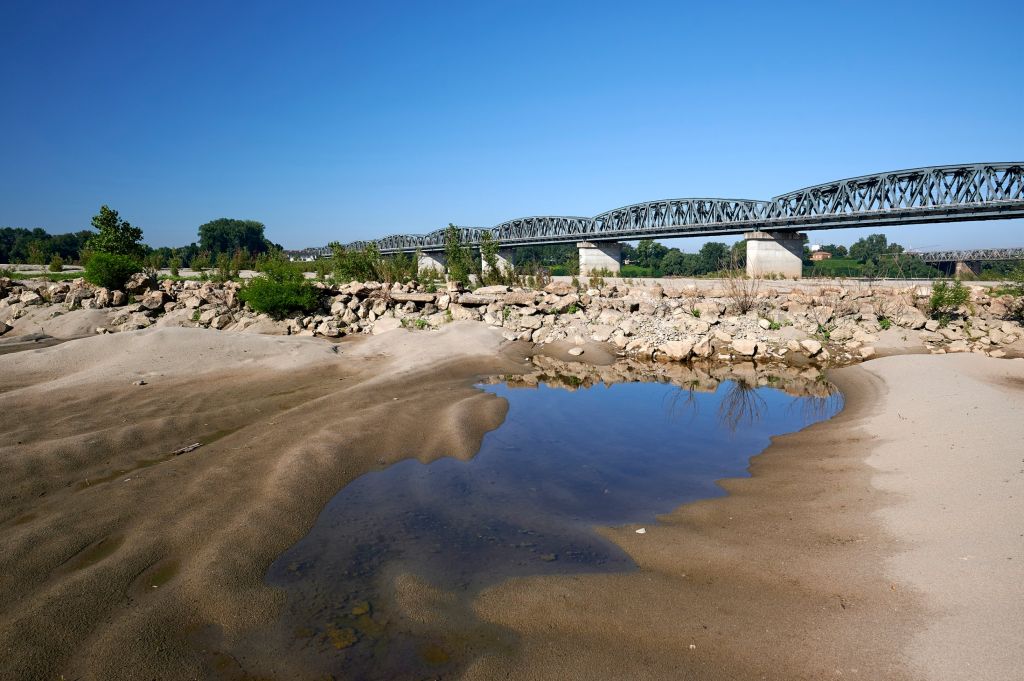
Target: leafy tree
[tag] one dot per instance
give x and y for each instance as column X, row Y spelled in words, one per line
column 459, row 258
column 738, row 254
column 226, row 235
column 714, row 256
column 836, row 251
column 354, row 265
column 679, row 264
column 116, row 236
column 36, row 253
column 946, row 299
column 201, row 261
column 649, row 253
column 873, row 246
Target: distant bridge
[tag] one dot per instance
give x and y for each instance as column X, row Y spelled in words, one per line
column 971, row 255
column 983, row 191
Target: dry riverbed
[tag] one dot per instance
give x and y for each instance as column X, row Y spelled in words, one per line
column 884, row 543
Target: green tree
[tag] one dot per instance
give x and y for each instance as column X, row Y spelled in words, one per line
column 714, row 256
column 459, row 258
column 227, row 235
column 872, row 247
column 679, row 264
column 649, row 253
column 836, row 251
column 738, row 254
column 116, row 236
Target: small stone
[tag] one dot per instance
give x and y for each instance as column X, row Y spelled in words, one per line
column 576, row 352
column 642, row 530
column 139, row 382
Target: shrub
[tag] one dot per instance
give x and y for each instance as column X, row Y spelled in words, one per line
column 56, row 264
column 946, row 299
column 110, row 270
column 279, row 290
column 175, row 265
column 742, row 292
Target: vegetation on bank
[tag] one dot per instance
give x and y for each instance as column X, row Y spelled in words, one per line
column 225, row 246
column 279, row 290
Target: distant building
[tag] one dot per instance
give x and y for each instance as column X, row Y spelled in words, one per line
column 820, row 255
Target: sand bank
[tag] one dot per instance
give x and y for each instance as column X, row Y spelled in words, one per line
column 883, row 544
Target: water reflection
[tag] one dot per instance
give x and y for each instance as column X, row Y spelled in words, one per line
column 382, row 585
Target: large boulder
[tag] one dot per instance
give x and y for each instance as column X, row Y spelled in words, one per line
column 521, row 298
column 475, row 300
column 677, row 350
column 154, row 300
column 745, row 346
column 31, row 298
column 413, row 297
column 140, row 282
column 75, row 296
column 490, row 290
column 811, row 346
column 560, row 288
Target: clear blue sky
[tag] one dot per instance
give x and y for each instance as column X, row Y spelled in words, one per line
column 345, row 120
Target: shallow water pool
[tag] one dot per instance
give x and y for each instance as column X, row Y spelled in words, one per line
column 382, row 585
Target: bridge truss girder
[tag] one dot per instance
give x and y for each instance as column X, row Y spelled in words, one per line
column 985, row 191
column 972, row 255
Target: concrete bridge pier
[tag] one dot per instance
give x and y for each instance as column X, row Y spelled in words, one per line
column 604, row 255
column 775, row 253
column 967, row 269
column 506, row 260
column 433, row 261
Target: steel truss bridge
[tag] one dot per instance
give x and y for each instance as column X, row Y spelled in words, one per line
column 971, row 255
column 982, row 191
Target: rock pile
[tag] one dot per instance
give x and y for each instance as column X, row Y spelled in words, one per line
column 829, row 325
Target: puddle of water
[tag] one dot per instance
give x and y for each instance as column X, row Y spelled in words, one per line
column 381, row 586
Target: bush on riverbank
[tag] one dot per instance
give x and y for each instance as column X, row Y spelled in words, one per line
column 110, row 270
column 946, row 299
column 279, row 290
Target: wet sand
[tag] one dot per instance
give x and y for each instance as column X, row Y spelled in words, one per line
column 834, row 560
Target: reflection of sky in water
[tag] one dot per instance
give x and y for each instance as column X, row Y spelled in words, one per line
column 562, row 462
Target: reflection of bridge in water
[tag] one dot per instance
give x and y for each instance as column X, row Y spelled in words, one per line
column 985, row 191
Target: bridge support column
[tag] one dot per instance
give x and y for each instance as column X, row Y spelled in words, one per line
column 775, row 253
column 433, row 261
column 967, row 269
column 606, row 255
column 506, row 260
